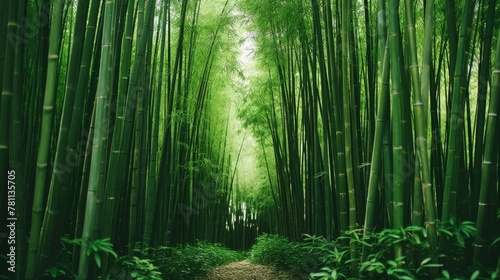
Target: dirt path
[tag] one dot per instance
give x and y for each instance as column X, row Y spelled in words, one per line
column 244, row 271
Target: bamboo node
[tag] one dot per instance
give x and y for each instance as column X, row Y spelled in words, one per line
column 492, row 114
column 53, row 56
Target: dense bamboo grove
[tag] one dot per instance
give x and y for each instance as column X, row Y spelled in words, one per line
column 378, row 113
column 113, row 124
column 145, row 123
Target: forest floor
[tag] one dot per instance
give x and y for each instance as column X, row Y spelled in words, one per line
column 245, row 271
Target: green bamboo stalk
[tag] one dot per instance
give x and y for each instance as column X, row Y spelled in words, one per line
column 76, row 147
column 484, row 77
column 99, row 130
column 7, row 91
column 397, row 116
column 427, row 189
column 347, row 91
column 489, row 157
column 117, row 158
column 45, row 139
column 17, row 155
column 136, row 182
column 62, row 170
column 386, row 149
column 451, row 22
column 322, row 205
column 168, row 156
column 388, row 182
column 330, row 149
column 376, row 162
column 420, row 87
column 455, row 140
column 108, row 120
column 151, row 189
column 370, row 87
column 3, row 39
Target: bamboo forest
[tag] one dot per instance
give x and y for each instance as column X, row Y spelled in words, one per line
column 249, row 139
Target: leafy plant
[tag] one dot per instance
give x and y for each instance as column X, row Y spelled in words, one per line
column 191, row 261
column 142, row 269
column 94, row 247
column 54, row 272
column 279, row 252
column 328, row 274
column 465, row 229
column 63, row 266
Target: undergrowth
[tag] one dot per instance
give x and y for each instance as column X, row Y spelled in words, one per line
column 147, row 263
column 317, row 258
column 314, row 258
column 190, row 261
column 176, row 263
column 294, row 257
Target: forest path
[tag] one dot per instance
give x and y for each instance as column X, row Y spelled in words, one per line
column 245, row 271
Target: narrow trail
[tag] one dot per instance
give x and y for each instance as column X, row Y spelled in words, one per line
column 245, row 271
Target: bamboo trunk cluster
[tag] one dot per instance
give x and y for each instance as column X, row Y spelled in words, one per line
column 130, row 122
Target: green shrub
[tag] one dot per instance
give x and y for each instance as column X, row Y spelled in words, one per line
column 297, row 258
column 415, row 263
column 190, row 261
column 136, row 268
column 175, row 263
